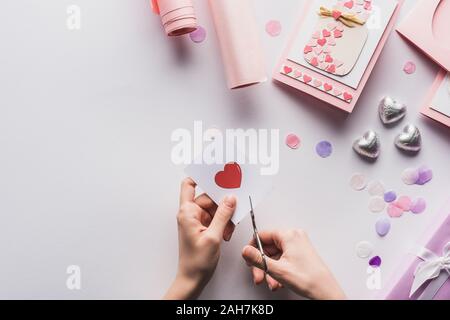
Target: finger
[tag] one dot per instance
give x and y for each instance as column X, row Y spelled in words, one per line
column 273, row 284
column 253, row 256
column 270, row 250
column 187, row 192
column 258, row 275
column 222, row 216
column 206, row 203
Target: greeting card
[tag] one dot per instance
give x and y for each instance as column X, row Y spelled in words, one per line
column 437, row 102
column 335, row 47
column 427, row 27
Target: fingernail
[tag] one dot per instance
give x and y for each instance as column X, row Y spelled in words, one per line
column 230, row 201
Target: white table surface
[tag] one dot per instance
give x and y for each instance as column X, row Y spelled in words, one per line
column 85, row 171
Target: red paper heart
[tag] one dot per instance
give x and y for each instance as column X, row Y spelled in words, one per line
column 347, row 96
column 327, row 87
column 230, row 177
column 336, row 14
column 307, row 78
column 322, row 41
column 287, row 69
column 349, row 4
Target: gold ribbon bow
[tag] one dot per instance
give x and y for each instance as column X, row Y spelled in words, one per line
column 348, row 19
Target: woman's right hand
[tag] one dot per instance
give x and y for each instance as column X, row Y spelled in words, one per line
column 292, row 262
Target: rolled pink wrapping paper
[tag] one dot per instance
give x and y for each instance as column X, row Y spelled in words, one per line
column 239, row 42
column 177, row 16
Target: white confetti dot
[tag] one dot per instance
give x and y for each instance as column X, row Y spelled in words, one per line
column 377, row 204
column 376, row 188
column 364, row 249
column 358, row 182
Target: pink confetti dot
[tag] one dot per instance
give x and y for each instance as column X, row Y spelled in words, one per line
column 410, row 67
column 404, row 203
column 292, row 141
column 394, row 211
column 198, row 35
column 273, row 28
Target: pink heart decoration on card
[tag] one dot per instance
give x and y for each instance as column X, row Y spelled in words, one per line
column 307, row 78
column 336, row 14
column 368, row 6
column 326, row 33
column 347, row 96
column 297, row 74
column 317, row 83
column 314, row 62
column 322, row 41
column 328, row 58
column 287, row 69
column 331, row 42
column 327, row 87
column 317, row 50
column 349, row 4
column 331, row 68
column 307, row 49
column 337, row 34
column 316, row 35
column 337, row 92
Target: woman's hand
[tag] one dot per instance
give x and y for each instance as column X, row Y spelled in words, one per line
column 201, row 227
column 292, row 262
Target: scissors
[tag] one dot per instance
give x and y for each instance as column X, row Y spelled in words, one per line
column 257, row 239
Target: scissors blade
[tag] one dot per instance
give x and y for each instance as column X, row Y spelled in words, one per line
column 256, row 235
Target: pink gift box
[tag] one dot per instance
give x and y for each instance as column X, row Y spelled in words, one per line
column 435, row 241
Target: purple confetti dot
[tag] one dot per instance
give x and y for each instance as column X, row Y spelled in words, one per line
column 390, row 196
column 375, row 261
column 425, row 175
column 324, row 149
column 383, row 226
column 198, row 35
column 418, row 206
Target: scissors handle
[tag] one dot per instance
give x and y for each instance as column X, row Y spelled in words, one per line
column 261, row 250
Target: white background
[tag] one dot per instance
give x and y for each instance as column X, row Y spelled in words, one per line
column 85, row 170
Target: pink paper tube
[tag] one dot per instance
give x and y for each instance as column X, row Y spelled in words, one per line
column 239, row 42
column 177, row 16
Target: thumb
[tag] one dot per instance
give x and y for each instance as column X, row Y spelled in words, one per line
column 252, row 256
column 223, row 215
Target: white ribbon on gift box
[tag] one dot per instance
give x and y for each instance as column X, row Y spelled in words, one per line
column 434, row 268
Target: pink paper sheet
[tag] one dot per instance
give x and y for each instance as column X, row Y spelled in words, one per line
column 427, row 109
column 239, row 42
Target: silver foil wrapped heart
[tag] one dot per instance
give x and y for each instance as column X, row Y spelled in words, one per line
column 368, row 146
column 410, row 139
column 391, row 111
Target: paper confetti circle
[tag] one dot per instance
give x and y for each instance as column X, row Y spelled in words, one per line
column 383, row 226
column 410, row 67
column 376, row 188
column 358, row 182
column 198, row 35
column 410, row 176
column 377, row 204
column 273, row 28
column 390, row 196
column 425, row 175
column 418, row 206
column 324, row 149
column 292, row 141
column 394, row 211
column 364, row 249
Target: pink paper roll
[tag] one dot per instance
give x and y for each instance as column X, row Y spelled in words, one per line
column 177, row 16
column 239, row 42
